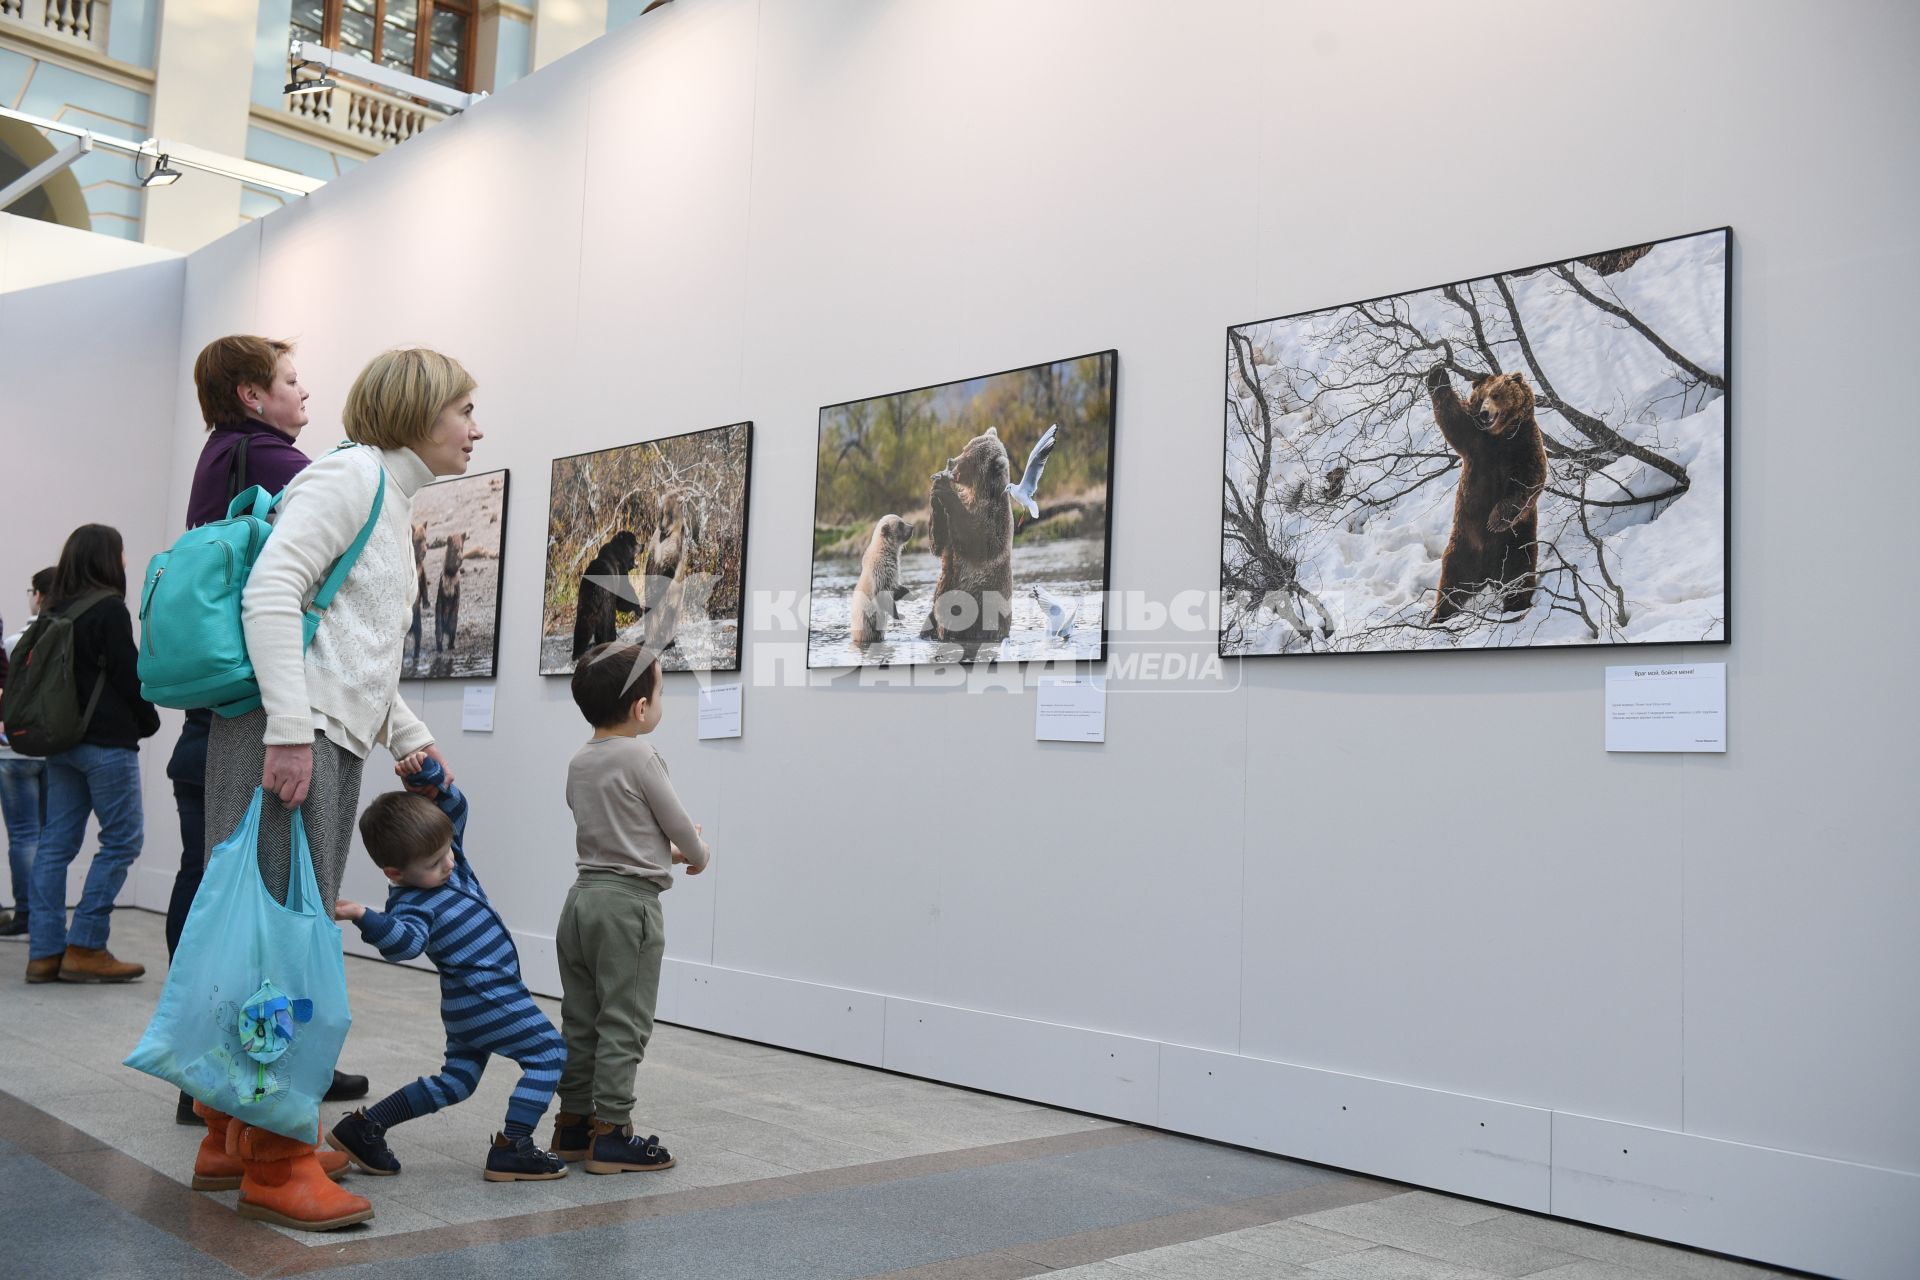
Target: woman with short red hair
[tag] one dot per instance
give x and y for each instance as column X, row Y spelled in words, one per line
column 254, row 407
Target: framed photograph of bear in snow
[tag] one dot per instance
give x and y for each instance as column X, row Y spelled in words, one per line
column 966, row 522
column 1534, row 458
column 459, row 538
column 648, row 543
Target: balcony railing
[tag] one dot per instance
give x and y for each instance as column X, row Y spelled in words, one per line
column 81, row 21
column 375, row 119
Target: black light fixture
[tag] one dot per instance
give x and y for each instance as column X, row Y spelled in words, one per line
column 297, row 86
column 163, row 175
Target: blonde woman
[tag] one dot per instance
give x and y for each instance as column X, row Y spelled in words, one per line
column 410, row 414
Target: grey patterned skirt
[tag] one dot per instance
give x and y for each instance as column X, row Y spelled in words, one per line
column 236, row 753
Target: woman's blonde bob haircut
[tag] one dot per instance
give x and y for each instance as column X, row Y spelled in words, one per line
column 397, row 397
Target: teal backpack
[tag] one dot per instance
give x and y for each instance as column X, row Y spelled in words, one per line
column 193, row 648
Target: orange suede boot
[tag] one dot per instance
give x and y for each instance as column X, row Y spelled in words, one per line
column 217, row 1169
column 281, row 1182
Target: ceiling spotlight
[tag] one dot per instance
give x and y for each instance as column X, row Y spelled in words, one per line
column 297, row 86
column 163, row 175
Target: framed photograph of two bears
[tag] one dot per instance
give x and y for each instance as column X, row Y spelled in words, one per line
column 459, row 531
column 647, row 543
column 966, row 522
column 1527, row 459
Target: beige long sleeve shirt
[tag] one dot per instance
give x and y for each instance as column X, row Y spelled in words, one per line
column 625, row 813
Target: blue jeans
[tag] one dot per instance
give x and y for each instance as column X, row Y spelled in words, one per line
column 87, row 779
column 23, row 801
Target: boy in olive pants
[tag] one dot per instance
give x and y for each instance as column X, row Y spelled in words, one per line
column 630, row 829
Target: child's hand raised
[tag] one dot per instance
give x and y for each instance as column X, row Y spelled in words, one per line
column 407, row 767
column 344, row 910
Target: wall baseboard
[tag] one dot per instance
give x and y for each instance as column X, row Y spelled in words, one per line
column 1783, row 1207
column 1778, row 1207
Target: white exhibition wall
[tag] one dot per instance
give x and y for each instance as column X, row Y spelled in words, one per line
column 89, row 358
column 1662, row 993
column 89, row 344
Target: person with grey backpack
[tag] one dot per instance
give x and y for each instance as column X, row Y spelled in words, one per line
column 73, row 699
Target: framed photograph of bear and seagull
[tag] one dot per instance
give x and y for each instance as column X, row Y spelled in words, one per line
column 648, row 543
column 1528, row 459
column 967, row 521
column 459, row 539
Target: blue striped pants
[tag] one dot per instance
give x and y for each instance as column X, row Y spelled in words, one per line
column 481, row 1024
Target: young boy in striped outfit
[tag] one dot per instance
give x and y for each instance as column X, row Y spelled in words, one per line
column 437, row 906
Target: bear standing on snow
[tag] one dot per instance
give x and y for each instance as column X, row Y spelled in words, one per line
column 1496, row 507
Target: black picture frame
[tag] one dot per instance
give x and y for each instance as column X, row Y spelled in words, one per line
column 673, row 660
column 427, row 615
column 1111, row 358
column 1527, row 362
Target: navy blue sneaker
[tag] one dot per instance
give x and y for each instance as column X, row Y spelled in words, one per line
column 365, row 1142
column 518, row 1160
column 572, row 1136
column 618, row 1151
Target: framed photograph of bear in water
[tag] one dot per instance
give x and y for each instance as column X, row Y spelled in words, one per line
column 966, row 521
column 1528, row 459
column 648, row 543
column 459, row 537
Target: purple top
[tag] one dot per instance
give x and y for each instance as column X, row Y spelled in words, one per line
column 272, row 460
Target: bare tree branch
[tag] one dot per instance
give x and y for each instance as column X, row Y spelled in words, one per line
column 1640, row 327
column 1585, row 423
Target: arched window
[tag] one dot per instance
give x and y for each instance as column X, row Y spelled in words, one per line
column 59, row 199
column 432, row 39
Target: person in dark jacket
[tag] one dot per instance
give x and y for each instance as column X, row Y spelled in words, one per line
column 254, row 408
column 23, row 784
column 101, row 776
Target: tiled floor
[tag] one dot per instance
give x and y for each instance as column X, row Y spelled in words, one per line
column 788, row 1166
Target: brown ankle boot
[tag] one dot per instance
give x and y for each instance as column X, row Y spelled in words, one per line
column 282, row 1183
column 45, row 969
column 215, row 1168
column 96, row 964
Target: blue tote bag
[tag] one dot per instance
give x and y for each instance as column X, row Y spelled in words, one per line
column 254, row 1010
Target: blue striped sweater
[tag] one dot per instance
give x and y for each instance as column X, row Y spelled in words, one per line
column 453, row 925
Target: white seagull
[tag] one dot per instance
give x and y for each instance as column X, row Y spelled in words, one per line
column 1030, row 480
column 1060, row 613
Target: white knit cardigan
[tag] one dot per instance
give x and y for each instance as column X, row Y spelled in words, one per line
column 348, row 682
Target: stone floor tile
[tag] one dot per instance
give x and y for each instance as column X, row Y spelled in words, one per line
column 1392, row 1222
column 1294, row 1241
column 1384, row 1262
column 1445, row 1208
column 1206, row 1259
column 1627, row 1252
